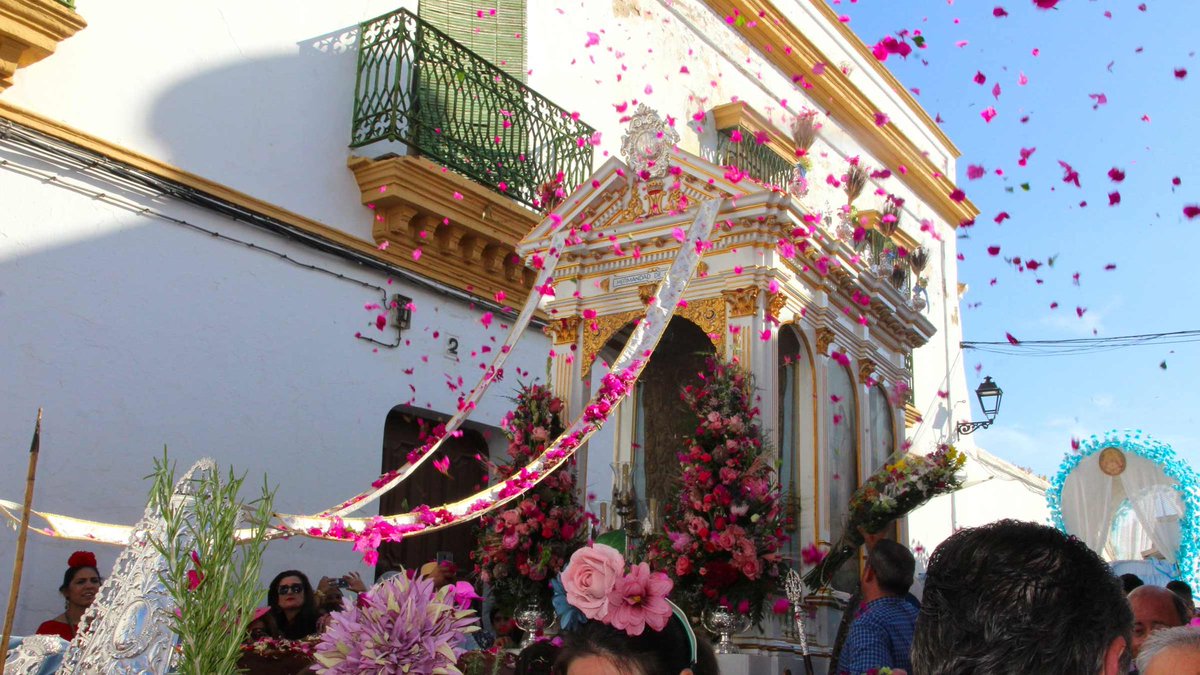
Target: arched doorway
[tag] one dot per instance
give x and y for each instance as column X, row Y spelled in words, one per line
column 404, row 430
column 795, row 425
column 663, row 420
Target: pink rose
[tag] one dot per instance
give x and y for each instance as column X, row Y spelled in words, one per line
column 590, row 577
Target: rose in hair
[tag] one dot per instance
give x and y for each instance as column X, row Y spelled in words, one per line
column 590, row 577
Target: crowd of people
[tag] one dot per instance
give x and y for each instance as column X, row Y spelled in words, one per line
column 1005, row 598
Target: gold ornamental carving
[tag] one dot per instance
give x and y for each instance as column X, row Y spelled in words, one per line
column 775, row 304
column 825, row 338
column 865, row 368
column 646, row 291
column 708, row 314
column 1112, row 462
column 563, row 331
column 742, row 301
column 597, row 332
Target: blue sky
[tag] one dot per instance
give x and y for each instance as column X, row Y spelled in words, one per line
column 1156, row 250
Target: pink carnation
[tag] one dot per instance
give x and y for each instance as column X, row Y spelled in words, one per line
column 590, row 578
column 640, row 600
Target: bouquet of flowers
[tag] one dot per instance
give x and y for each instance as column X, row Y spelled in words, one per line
column 724, row 528
column 890, row 493
column 521, row 548
column 402, row 625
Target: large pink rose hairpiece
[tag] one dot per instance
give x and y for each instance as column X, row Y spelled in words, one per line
column 596, row 584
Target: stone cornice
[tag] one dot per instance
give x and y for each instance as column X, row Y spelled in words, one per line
column 784, row 45
column 30, row 30
column 465, row 233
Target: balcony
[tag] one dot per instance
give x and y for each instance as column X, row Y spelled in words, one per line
column 419, row 87
column 30, row 31
column 749, row 141
column 737, row 147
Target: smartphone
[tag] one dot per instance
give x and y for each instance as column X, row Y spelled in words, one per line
column 340, row 583
column 445, row 557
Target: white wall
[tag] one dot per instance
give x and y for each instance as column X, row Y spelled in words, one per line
column 133, row 333
column 255, row 95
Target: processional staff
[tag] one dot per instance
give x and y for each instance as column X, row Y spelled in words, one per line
column 22, row 534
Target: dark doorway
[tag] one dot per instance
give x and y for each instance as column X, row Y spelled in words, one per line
column 664, row 420
column 402, row 433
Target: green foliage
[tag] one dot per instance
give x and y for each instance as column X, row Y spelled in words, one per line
column 214, row 579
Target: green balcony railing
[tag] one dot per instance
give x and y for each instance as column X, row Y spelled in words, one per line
column 754, row 158
column 418, row 86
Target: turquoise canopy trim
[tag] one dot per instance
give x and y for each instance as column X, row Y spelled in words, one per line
column 1143, row 445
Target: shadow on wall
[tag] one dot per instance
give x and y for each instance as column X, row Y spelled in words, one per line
column 276, row 128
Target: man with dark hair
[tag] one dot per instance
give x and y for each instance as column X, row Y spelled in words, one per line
column 881, row 635
column 1154, row 608
column 1130, row 581
column 1013, row 598
column 1184, row 591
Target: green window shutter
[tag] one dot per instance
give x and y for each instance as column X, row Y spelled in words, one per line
column 500, row 39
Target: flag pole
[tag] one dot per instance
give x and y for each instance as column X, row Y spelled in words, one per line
column 22, row 535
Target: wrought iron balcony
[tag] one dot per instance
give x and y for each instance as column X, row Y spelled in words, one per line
column 754, row 158
column 418, row 86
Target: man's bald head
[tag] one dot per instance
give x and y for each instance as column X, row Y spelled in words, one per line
column 1154, row 608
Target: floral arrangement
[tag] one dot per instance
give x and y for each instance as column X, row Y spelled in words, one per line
column 888, row 494
column 595, row 586
column 280, row 648
column 212, row 577
column 401, row 625
column 724, row 528
column 522, row 547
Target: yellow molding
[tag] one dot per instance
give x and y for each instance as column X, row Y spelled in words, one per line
column 912, row 416
column 466, row 233
column 399, row 256
column 30, row 30
column 740, row 114
column 898, row 87
column 781, row 43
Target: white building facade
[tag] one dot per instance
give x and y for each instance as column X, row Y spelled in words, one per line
column 191, row 254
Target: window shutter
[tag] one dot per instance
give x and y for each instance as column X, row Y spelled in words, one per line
column 500, row 39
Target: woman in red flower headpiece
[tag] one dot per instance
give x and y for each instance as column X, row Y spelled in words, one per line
column 79, row 587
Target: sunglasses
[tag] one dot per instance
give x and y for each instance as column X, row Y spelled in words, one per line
column 289, row 589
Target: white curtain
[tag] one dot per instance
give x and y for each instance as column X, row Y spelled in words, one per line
column 1123, row 515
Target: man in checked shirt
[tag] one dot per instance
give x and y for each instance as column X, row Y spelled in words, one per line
column 882, row 632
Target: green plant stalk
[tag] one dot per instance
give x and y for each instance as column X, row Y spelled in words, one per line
column 211, row 619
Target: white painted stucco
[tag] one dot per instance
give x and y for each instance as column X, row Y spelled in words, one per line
column 134, row 333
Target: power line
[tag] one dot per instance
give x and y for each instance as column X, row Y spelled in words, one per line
column 1075, row 346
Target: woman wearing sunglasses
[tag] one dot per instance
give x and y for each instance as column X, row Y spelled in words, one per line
column 293, row 606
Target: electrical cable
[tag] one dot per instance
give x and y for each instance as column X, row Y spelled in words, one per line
column 1067, row 347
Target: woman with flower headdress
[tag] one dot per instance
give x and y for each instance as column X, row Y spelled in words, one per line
column 619, row 621
column 80, row 584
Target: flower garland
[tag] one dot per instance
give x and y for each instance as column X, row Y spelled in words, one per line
column 401, row 625
column 520, row 548
column 724, row 529
column 888, row 494
column 1143, row 445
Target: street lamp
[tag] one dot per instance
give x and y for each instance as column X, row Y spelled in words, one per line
column 989, row 400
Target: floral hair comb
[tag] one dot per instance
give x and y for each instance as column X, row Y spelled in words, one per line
column 594, row 585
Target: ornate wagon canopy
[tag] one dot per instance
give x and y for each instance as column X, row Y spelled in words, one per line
column 1130, row 498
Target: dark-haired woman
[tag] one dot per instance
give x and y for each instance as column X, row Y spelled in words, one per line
column 293, row 605
column 600, row 649
column 80, row 584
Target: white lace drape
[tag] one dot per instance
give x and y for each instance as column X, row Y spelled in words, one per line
column 1127, row 515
